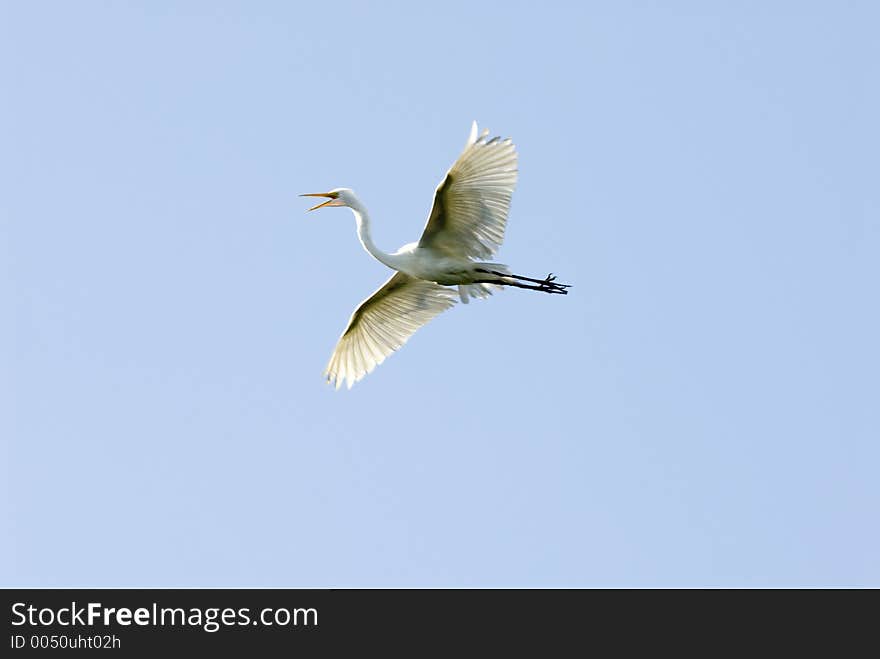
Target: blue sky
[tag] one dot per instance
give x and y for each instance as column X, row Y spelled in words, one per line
column 702, row 410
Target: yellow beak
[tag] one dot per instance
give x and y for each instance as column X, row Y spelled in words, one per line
column 332, row 197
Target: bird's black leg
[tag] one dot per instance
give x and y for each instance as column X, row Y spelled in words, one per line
column 543, row 287
column 547, row 285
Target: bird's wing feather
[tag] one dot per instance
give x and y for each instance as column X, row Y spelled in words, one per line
column 471, row 203
column 383, row 323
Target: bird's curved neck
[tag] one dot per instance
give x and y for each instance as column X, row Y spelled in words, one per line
column 363, row 229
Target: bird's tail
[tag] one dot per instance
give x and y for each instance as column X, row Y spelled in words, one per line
column 483, row 285
column 478, row 291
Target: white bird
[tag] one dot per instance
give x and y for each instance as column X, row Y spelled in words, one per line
column 466, row 225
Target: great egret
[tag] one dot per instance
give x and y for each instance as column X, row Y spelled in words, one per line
column 466, row 223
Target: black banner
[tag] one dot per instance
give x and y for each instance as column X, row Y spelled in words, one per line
column 134, row 621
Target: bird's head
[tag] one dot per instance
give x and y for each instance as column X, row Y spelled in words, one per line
column 336, row 197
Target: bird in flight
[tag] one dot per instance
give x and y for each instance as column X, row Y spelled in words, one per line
column 466, row 226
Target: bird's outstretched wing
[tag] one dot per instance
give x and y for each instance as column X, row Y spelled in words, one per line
column 471, row 203
column 383, row 323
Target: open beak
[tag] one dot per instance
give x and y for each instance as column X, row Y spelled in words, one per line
column 331, row 198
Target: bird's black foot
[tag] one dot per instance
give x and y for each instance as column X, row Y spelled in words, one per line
column 549, row 285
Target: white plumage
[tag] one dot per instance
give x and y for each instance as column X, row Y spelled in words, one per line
column 471, row 204
column 467, row 222
column 383, row 323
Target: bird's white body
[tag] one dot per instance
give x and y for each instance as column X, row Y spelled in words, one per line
column 466, row 225
column 426, row 263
